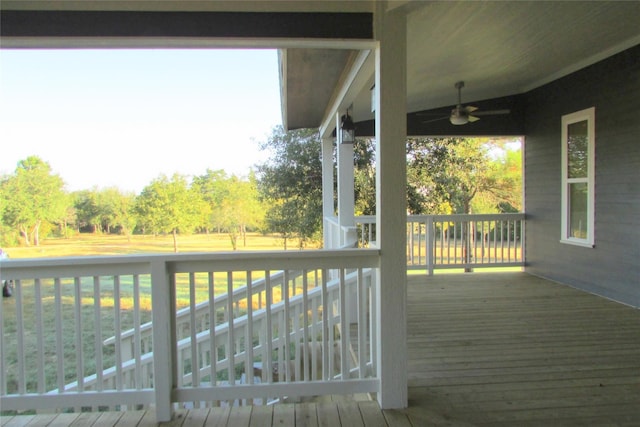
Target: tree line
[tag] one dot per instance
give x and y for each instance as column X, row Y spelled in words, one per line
column 34, row 204
column 283, row 195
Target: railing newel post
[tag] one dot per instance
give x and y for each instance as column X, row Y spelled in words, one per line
column 430, row 239
column 164, row 349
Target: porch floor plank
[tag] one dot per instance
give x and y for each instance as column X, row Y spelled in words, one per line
column 218, row 417
column 63, row 420
column 108, row 419
column 239, row 416
column 484, row 349
column 306, row 415
column 261, row 416
column 328, row 414
column 17, row 421
column 42, row 420
column 85, row 419
column 349, row 412
column 195, row 417
column 284, row 415
column 130, row 418
column 371, row 414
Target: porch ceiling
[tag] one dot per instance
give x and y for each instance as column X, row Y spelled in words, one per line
column 497, row 48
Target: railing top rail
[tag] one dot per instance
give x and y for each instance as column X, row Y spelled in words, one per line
column 34, row 268
column 333, row 219
column 369, row 219
column 468, row 217
column 43, row 268
column 278, row 260
column 365, row 218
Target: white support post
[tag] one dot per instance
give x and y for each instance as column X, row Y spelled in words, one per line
column 391, row 135
column 328, row 208
column 430, row 240
column 346, row 193
column 164, row 375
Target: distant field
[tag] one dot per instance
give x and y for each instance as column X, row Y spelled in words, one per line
column 99, row 244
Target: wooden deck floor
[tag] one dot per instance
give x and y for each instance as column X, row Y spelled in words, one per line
column 511, row 349
column 503, row 349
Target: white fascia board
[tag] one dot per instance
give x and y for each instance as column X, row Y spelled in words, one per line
column 354, row 77
column 179, row 43
column 282, row 75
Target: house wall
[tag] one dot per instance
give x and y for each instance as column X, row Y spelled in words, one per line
column 612, row 267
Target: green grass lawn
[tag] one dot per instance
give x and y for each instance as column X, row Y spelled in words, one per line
column 102, row 244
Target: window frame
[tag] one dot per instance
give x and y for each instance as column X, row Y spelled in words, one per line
column 587, row 115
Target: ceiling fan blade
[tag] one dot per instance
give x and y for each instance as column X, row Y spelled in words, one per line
column 492, row 112
column 472, row 119
column 470, row 109
column 436, row 120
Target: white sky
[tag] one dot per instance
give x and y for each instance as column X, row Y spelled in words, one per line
column 121, row 118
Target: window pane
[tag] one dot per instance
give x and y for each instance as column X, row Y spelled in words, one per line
column 577, row 153
column 578, row 225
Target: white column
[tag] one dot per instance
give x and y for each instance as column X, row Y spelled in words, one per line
column 328, row 208
column 346, row 194
column 164, row 348
column 391, row 134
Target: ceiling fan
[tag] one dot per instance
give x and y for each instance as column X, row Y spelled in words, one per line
column 461, row 115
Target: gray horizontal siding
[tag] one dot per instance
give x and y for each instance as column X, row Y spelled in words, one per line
column 612, row 268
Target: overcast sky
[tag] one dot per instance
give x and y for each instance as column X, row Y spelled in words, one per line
column 123, row 117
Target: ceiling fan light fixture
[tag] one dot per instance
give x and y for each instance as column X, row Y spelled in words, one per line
column 458, row 119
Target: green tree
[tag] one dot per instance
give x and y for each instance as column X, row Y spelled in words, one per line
column 364, row 176
column 32, row 197
column 212, row 187
column 240, row 209
column 461, row 175
column 88, row 212
column 118, row 211
column 234, row 203
column 508, row 169
column 291, row 183
column 170, row 206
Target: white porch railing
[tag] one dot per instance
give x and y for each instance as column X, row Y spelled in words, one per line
column 457, row 241
column 78, row 333
column 282, row 334
column 339, row 236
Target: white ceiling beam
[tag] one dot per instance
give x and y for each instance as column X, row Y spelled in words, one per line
column 179, row 43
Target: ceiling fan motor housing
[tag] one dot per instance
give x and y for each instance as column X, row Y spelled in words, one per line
column 458, row 117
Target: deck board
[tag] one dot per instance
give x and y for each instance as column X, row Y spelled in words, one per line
column 218, row 417
column 63, row 420
column 261, row 416
column 284, row 415
column 349, row 412
column 484, row 350
column 328, row 414
column 306, row 415
column 239, row 416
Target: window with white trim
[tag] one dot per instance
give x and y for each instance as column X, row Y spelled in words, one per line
column 578, row 177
